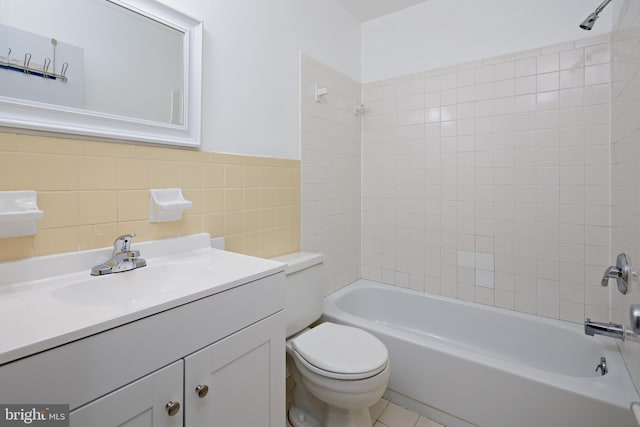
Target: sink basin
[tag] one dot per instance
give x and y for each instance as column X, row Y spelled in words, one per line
column 53, row 300
column 130, row 287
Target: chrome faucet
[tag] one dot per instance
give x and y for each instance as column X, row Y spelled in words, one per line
column 622, row 272
column 612, row 330
column 122, row 259
column 612, row 272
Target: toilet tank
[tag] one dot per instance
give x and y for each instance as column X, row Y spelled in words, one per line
column 303, row 289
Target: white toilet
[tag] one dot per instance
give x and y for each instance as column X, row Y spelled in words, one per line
column 339, row 371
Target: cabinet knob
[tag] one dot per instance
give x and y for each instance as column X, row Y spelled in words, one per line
column 172, row 408
column 202, row 390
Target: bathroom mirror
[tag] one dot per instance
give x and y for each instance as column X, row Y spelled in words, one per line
column 121, row 69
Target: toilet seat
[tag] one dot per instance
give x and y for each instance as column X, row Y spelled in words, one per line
column 340, row 352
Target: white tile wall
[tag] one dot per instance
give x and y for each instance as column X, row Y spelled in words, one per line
column 489, row 181
column 625, row 136
column 330, row 172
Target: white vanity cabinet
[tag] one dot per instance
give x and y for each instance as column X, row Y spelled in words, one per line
column 232, row 342
column 237, row 381
column 230, row 383
column 143, row 403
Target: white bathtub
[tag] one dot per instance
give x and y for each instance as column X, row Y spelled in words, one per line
column 467, row 364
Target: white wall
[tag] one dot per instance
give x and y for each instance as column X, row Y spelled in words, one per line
column 251, row 67
column 440, row 33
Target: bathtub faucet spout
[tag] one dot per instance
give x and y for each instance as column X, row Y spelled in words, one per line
column 612, row 330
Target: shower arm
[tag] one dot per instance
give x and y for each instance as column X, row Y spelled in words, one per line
column 602, row 6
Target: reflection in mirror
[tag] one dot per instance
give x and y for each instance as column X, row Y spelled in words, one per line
column 128, row 62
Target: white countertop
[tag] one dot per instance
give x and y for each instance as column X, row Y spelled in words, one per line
column 39, row 312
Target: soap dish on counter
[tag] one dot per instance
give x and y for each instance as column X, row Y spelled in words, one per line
column 19, row 213
column 167, row 205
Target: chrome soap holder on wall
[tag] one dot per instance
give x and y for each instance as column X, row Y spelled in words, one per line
column 19, row 213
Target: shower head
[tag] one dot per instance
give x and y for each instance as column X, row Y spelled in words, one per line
column 588, row 23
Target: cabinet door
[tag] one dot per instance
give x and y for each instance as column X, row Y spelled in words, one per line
column 244, row 374
column 142, row 403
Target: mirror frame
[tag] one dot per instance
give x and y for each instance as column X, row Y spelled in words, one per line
column 25, row 114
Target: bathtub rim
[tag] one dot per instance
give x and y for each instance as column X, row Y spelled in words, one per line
column 614, row 388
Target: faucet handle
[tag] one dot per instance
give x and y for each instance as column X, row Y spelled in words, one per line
column 621, row 272
column 123, row 243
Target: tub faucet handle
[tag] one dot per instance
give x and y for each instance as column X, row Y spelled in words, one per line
column 621, row 272
column 612, row 272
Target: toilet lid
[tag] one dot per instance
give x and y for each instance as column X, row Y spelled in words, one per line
column 342, row 350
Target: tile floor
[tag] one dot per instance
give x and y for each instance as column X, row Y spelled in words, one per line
column 388, row 414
